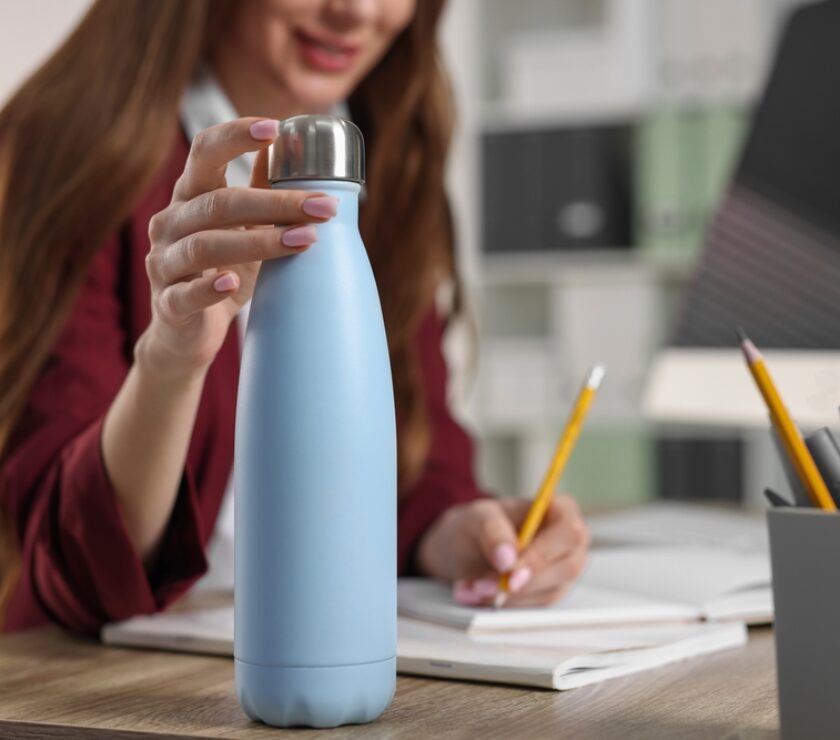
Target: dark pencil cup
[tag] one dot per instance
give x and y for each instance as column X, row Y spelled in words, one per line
column 805, row 556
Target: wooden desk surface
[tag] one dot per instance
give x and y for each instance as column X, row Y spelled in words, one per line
column 55, row 685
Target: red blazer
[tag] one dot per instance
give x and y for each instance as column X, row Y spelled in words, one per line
column 78, row 566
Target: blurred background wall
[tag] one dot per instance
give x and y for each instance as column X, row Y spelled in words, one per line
column 28, row 32
column 595, row 138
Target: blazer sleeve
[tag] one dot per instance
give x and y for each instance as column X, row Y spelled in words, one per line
column 447, row 478
column 76, row 557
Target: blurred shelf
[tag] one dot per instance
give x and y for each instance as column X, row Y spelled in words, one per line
column 549, row 268
column 503, row 116
column 551, row 424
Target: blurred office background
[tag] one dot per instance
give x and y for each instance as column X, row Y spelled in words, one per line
column 595, row 139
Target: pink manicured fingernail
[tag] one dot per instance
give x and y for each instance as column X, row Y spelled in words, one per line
column 225, row 283
column 520, row 577
column 485, row 587
column 322, row 206
column 504, row 557
column 300, row 236
column 463, row 593
column 267, row 129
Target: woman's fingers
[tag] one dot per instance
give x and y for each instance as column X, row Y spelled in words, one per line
column 214, row 147
column 475, row 592
column 206, row 250
column 550, row 583
column 526, row 587
column 226, row 208
column 554, row 560
column 179, row 302
column 563, row 531
column 477, row 543
column 495, row 534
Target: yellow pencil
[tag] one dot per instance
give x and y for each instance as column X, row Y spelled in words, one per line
column 561, row 456
column 794, row 445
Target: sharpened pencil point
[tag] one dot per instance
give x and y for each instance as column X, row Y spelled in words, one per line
column 750, row 350
column 742, row 335
column 500, row 600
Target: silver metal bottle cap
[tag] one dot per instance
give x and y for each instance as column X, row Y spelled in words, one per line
column 317, row 147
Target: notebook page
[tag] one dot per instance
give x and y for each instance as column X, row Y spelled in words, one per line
column 430, row 649
column 196, row 631
column 753, row 606
column 681, row 524
column 585, row 605
column 688, row 575
column 605, row 639
column 561, row 659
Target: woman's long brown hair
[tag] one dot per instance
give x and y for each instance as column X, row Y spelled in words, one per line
column 83, row 138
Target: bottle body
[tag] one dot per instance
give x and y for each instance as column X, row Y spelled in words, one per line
column 315, row 487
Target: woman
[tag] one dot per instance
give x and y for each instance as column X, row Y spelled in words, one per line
column 125, row 258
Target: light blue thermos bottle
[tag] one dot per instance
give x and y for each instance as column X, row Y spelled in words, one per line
column 315, row 462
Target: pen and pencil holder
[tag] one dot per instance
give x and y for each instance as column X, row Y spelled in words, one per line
column 805, row 553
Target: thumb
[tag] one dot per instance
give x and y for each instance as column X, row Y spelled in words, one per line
column 497, row 537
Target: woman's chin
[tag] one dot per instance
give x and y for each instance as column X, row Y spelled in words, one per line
column 317, row 96
column 319, row 93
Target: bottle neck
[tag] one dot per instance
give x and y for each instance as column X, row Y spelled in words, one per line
column 345, row 191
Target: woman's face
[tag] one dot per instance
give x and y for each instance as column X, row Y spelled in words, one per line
column 317, row 51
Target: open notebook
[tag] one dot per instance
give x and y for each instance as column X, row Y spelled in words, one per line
column 558, row 659
column 682, row 523
column 623, row 585
column 635, row 608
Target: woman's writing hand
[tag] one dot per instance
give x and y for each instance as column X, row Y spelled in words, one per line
column 207, row 245
column 473, row 544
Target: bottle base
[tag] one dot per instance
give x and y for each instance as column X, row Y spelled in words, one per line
column 323, row 696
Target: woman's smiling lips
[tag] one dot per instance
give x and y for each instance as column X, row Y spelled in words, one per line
column 326, row 55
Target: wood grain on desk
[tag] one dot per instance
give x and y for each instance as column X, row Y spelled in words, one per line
column 55, row 685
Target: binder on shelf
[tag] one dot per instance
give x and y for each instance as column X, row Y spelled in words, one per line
column 568, row 189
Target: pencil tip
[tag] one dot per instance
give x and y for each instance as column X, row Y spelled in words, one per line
column 500, row 600
column 742, row 335
column 748, row 347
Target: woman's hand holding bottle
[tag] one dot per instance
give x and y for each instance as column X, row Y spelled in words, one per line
column 206, row 250
column 207, row 245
